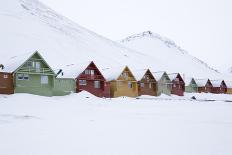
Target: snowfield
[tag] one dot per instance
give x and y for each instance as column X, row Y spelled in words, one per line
column 87, row 125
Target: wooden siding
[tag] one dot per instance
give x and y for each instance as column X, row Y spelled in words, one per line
column 164, row 85
column 220, row 90
column 147, row 85
column 207, row 88
column 178, row 86
column 91, row 79
column 229, row 91
column 64, row 86
column 36, row 71
column 6, row 83
column 125, row 85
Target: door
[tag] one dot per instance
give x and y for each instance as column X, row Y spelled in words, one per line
column 37, row 66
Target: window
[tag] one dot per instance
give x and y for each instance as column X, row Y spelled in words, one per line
column 23, row 77
column 82, row 82
column 37, row 66
column 5, row 76
column 150, row 85
column 96, row 84
column 130, row 85
column 44, row 79
column 92, row 72
column 142, row 85
column 125, row 75
column 30, row 64
column 174, row 85
column 86, row 71
column 89, row 72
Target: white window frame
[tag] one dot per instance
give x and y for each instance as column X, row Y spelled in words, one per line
column 142, row 85
column 44, row 79
column 130, row 85
column 97, row 84
column 5, row 76
column 82, row 82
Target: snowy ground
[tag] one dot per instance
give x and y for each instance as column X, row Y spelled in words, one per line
column 76, row 125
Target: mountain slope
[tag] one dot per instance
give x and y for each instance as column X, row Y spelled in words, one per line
column 173, row 57
column 28, row 25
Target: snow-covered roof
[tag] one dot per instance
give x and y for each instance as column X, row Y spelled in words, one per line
column 112, row 73
column 16, row 61
column 139, row 73
column 216, row 83
column 172, row 76
column 228, row 84
column 188, row 81
column 158, row 75
column 73, row 70
column 201, row 82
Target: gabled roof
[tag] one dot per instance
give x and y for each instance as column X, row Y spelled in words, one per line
column 139, row 74
column 159, row 75
column 188, row 81
column 16, row 62
column 217, row 83
column 113, row 73
column 74, row 70
column 228, row 84
column 201, row 82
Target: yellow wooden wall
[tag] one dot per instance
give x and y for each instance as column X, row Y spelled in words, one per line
column 120, row 88
column 229, row 91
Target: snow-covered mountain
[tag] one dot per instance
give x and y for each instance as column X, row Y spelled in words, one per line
column 172, row 56
column 29, row 25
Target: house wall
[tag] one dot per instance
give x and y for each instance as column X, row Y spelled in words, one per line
column 120, row 88
column 33, row 85
column 229, row 91
column 178, row 88
column 191, row 88
column 99, row 92
column 6, row 83
column 219, row 90
column 64, row 86
column 164, row 87
column 146, row 90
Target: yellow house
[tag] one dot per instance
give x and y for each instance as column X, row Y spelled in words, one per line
column 229, row 87
column 122, row 82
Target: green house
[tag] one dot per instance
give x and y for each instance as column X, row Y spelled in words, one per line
column 33, row 75
column 191, row 86
column 164, row 83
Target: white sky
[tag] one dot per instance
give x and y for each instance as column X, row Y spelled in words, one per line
column 202, row 27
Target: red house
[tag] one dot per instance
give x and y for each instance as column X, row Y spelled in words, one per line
column 89, row 78
column 204, row 85
column 219, row 87
column 178, row 85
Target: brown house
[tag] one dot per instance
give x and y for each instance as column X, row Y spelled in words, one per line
column 204, row 85
column 89, row 78
column 219, row 87
column 229, row 87
column 6, row 83
column 147, row 84
column 178, row 85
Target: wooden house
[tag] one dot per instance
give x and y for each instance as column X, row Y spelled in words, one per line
column 191, row 85
column 229, row 87
column 204, row 85
column 147, row 84
column 219, row 87
column 122, row 82
column 164, row 83
column 178, row 85
column 88, row 78
column 6, row 82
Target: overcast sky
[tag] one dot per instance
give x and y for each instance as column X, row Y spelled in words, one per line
column 202, row 27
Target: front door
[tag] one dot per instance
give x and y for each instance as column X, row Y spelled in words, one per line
column 37, row 66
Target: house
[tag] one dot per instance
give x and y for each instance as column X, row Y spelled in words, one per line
column 229, row 87
column 6, row 82
column 191, row 85
column 30, row 73
column 178, row 85
column 164, row 83
column 122, row 81
column 219, row 87
column 204, row 85
column 147, row 84
column 88, row 77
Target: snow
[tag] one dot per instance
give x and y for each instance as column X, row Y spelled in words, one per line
column 84, row 124
column 216, row 83
column 170, row 57
column 201, row 82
